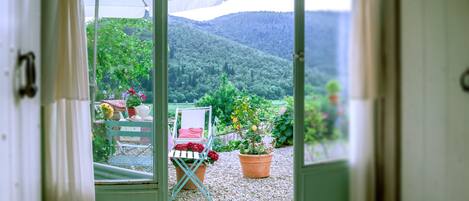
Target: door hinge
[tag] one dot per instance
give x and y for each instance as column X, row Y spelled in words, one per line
column 300, row 56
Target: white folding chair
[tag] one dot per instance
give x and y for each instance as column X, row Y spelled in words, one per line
column 193, row 118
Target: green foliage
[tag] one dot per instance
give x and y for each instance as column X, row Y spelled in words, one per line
column 221, row 99
column 314, row 120
column 231, row 146
column 102, row 148
column 273, row 33
column 331, row 115
column 124, row 53
column 333, row 87
column 282, row 130
column 255, row 60
column 198, row 58
column 133, row 100
column 245, row 120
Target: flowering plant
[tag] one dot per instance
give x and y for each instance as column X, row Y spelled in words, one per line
column 134, row 99
column 245, row 121
column 107, row 110
column 196, row 147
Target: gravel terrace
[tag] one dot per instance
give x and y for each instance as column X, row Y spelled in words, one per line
column 225, row 181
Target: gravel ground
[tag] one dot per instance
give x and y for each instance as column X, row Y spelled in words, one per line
column 225, row 181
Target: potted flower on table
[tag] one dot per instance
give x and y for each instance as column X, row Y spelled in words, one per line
column 333, row 89
column 255, row 157
column 133, row 99
column 200, row 172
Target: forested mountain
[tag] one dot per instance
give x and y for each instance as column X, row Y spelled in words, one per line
column 273, row 33
column 197, row 59
column 253, row 48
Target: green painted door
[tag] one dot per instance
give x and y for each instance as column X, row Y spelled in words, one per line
column 135, row 166
column 320, row 77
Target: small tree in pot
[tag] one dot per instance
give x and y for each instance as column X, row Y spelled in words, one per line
column 255, row 157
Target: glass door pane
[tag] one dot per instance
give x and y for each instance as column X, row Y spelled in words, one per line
column 326, row 37
column 235, row 54
column 120, row 52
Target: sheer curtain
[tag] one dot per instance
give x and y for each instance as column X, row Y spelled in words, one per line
column 67, row 126
column 374, row 101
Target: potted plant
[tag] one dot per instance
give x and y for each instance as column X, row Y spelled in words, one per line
column 106, row 110
column 133, row 99
column 333, row 89
column 255, row 157
column 200, row 172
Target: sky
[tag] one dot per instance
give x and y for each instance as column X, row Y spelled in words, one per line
column 235, row 6
column 136, row 9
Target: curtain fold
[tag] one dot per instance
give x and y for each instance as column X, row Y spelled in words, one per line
column 374, row 101
column 67, row 124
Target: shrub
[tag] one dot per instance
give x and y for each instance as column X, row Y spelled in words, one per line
column 331, row 115
column 315, row 129
column 231, row 146
column 221, row 100
column 102, row 148
column 282, row 130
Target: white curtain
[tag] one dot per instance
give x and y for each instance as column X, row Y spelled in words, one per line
column 66, row 105
column 364, row 85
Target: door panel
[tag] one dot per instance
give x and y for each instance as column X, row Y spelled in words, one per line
column 327, row 181
column 321, row 120
column 122, row 41
column 20, row 120
column 435, row 109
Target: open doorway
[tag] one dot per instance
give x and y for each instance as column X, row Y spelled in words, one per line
column 236, row 58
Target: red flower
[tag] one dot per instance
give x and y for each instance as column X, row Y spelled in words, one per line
column 213, row 155
column 195, row 147
column 181, row 147
column 143, row 97
column 131, row 91
column 189, row 145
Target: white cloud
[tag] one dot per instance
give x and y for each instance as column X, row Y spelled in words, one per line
column 235, row 6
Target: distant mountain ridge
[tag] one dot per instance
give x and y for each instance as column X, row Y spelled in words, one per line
column 197, row 59
column 254, row 49
column 273, row 33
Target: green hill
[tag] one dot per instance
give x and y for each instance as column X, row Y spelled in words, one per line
column 253, row 48
column 273, row 33
column 198, row 59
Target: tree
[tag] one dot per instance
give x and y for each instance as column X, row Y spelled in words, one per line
column 124, row 53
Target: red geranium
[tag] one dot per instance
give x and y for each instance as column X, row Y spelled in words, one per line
column 131, row 91
column 143, row 97
column 213, row 155
column 196, row 147
column 181, row 147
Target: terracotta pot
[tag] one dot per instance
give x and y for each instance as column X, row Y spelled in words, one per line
column 334, row 99
column 131, row 111
column 200, row 172
column 256, row 166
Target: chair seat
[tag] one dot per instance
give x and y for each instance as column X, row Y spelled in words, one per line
column 184, row 154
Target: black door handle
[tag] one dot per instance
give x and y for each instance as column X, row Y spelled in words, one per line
column 30, row 89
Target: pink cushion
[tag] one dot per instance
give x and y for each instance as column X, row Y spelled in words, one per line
column 190, row 132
